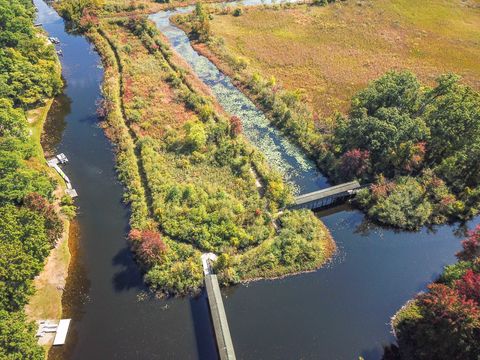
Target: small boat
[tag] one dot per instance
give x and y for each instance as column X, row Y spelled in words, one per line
column 54, row 40
column 62, row 158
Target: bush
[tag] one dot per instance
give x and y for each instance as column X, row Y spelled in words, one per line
column 403, row 203
column 17, row 339
column 446, row 326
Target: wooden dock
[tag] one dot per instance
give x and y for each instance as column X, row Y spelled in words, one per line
column 54, row 163
column 219, row 318
column 326, row 197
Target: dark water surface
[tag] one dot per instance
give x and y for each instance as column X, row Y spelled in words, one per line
column 102, row 295
column 339, row 312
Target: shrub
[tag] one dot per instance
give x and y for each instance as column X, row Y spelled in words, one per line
column 236, row 127
column 237, row 12
column 148, row 245
column 447, row 326
column 471, row 246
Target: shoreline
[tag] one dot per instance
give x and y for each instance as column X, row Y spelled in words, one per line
column 49, row 284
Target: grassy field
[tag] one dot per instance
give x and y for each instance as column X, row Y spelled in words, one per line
column 329, row 53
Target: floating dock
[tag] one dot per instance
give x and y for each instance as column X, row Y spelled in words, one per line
column 52, row 331
column 219, row 318
column 62, row 159
column 62, row 331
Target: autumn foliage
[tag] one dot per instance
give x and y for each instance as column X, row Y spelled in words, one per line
column 236, row 127
column 444, row 322
column 53, row 224
column 471, row 246
column 148, row 245
column 354, row 163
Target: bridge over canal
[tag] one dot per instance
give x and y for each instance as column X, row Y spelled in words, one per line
column 217, row 311
column 326, row 197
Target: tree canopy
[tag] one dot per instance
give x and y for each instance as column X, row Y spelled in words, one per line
column 399, row 128
column 29, row 225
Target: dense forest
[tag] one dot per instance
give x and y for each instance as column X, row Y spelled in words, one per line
column 29, row 223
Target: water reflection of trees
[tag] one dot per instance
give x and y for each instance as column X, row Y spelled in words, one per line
column 55, row 124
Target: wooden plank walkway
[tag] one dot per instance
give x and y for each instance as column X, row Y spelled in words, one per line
column 219, row 318
column 61, row 158
column 325, row 197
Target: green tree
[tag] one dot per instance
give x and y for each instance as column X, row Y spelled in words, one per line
column 17, row 340
column 12, row 121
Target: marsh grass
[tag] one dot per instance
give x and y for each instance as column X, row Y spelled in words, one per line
column 329, row 53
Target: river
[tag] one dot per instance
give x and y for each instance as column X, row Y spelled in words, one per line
column 338, row 312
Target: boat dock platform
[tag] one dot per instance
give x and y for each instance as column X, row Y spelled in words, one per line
column 54, row 163
column 52, row 329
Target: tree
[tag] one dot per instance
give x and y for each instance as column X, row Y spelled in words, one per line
column 446, row 325
column 470, row 246
column 354, row 164
column 148, row 246
column 53, row 224
column 196, row 137
column 469, row 286
column 12, row 121
column 201, row 25
column 399, row 90
column 17, row 340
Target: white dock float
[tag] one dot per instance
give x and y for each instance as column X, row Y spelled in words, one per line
column 62, row 331
column 71, row 192
column 62, row 159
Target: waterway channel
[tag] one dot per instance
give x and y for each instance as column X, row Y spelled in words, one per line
column 338, row 312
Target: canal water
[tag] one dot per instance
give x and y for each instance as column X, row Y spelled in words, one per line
column 338, row 312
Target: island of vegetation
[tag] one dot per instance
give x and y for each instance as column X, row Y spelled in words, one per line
column 33, row 220
column 192, row 180
column 415, row 141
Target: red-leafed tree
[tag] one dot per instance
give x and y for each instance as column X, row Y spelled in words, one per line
column 236, row 127
column 448, row 328
column 354, row 163
column 471, row 246
column 469, row 286
column 148, row 245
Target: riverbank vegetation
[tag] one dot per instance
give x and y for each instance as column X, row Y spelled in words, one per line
column 30, row 224
column 191, row 177
column 398, row 132
column 444, row 322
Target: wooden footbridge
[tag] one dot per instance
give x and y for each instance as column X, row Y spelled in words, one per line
column 217, row 311
column 313, row 200
column 326, row 197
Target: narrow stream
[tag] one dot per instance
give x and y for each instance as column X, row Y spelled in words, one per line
column 282, row 154
column 338, row 312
